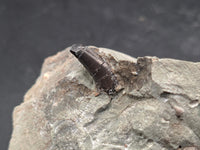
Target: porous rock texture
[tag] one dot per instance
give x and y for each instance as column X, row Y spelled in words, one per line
column 156, row 106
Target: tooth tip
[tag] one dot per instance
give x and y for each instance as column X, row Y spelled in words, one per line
column 76, row 50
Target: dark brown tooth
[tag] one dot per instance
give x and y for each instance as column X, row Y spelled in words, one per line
column 96, row 66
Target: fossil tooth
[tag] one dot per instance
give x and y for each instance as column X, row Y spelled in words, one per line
column 96, row 66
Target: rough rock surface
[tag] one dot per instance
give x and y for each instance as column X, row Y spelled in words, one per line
column 156, row 106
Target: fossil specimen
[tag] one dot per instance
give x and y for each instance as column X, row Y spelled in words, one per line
column 142, row 104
